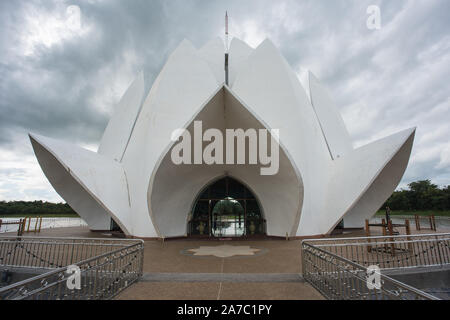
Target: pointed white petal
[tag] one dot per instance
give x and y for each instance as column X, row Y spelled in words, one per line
column 239, row 52
column 304, row 80
column 331, row 123
column 381, row 188
column 269, row 87
column 120, row 126
column 180, row 91
column 214, row 54
column 93, row 185
column 368, row 175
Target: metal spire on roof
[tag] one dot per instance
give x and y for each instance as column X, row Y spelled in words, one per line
column 226, row 47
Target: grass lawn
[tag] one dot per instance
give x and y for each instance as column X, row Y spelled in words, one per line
column 44, row 215
column 412, row 213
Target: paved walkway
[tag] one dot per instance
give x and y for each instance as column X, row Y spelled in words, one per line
column 225, row 286
column 276, row 256
column 172, row 271
column 220, row 291
column 222, row 277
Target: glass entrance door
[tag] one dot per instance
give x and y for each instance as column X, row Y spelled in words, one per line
column 226, row 208
column 227, row 218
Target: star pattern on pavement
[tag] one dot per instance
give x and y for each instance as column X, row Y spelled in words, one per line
column 224, row 251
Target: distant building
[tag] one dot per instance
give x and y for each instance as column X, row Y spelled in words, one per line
column 132, row 179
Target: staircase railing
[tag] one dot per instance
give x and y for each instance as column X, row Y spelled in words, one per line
column 104, row 267
column 339, row 267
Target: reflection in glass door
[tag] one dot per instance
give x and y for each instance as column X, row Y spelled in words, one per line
column 227, row 218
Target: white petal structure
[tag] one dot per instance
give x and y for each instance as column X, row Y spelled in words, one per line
column 132, row 179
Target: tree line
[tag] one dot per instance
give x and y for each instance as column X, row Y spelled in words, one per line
column 33, row 208
column 420, row 196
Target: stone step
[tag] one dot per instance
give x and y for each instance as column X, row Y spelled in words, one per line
column 222, row 277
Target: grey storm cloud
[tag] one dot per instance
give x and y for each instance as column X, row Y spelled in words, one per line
column 65, row 85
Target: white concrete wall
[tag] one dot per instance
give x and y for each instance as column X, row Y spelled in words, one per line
column 117, row 133
column 94, row 186
column 271, row 90
column 382, row 186
column 182, row 88
column 331, row 123
column 175, row 187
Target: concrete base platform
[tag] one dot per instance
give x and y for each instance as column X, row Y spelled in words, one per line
column 171, row 274
column 222, row 277
column 219, row 291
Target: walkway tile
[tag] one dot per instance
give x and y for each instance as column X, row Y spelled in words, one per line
column 220, row 291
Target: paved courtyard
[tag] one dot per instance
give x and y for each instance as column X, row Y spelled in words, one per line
column 270, row 269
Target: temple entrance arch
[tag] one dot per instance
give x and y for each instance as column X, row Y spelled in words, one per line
column 226, row 208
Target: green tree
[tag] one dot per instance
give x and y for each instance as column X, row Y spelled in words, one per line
column 420, row 196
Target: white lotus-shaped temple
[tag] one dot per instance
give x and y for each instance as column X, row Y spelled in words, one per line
column 321, row 181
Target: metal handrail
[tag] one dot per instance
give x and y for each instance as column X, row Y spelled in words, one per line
column 104, row 274
column 66, row 238
column 61, row 269
column 376, row 237
column 391, row 251
column 50, row 252
column 335, row 263
column 384, row 278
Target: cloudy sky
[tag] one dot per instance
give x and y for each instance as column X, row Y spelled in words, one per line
column 61, row 77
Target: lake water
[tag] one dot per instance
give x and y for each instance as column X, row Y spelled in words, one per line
column 442, row 223
column 47, row 223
